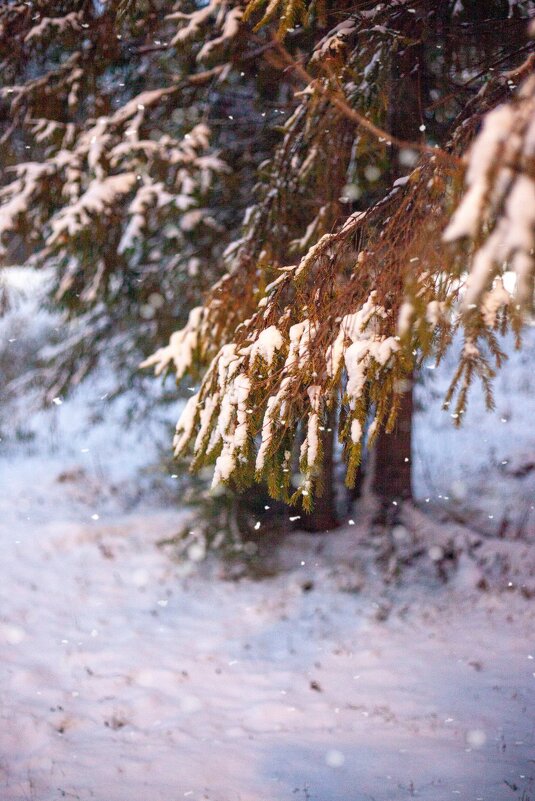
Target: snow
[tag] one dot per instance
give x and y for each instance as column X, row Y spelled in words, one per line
column 229, row 29
column 122, row 679
column 226, row 20
column 366, row 345
column 494, row 133
column 335, row 39
column 356, row 431
column 268, row 424
column 436, row 309
column 148, row 196
column 181, row 348
column 140, row 102
column 126, row 674
column 269, row 341
column 96, row 200
column 309, row 450
column 195, row 21
column 186, row 422
column 500, row 191
column 19, row 194
column 104, row 173
column 231, row 429
column 54, row 25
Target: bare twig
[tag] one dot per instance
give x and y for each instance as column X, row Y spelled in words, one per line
column 340, row 103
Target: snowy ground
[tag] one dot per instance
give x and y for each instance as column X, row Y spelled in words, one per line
column 122, row 680
column 358, row 670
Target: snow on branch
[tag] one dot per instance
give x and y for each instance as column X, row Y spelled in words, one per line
column 17, row 197
column 48, row 26
column 180, row 351
column 497, row 213
column 91, row 173
column 217, row 16
column 259, row 388
column 100, row 196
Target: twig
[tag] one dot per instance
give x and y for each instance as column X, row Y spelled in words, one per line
column 340, row 103
column 519, row 72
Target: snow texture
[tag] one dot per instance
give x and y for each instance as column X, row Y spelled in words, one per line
column 127, row 675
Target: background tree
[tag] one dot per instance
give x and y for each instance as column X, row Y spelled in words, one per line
column 113, row 118
column 112, row 124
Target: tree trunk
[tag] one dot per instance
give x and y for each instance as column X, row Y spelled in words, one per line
column 392, row 469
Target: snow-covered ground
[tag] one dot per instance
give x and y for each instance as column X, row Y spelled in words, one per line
column 123, row 680
column 358, row 669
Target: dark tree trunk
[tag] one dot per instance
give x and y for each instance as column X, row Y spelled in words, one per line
column 392, row 468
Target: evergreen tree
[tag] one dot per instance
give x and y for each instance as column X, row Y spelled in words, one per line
column 125, row 174
column 286, row 347
column 112, row 176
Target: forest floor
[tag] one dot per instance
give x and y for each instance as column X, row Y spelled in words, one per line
column 122, row 679
column 358, row 668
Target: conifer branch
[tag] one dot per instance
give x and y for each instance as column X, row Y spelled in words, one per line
column 352, row 114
